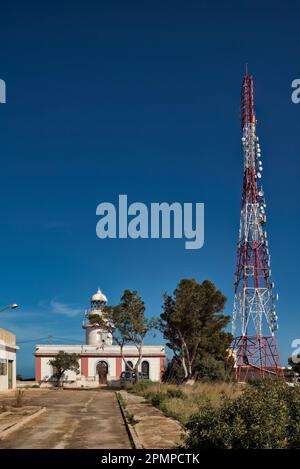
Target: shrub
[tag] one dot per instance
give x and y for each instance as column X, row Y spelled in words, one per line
column 141, row 386
column 265, row 416
column 210, row 369
column 176, row 392
column 157, row 398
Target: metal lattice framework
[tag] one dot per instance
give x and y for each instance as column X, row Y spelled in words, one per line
column 254, row 315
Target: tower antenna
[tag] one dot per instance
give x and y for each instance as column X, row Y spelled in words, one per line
column 254, row 321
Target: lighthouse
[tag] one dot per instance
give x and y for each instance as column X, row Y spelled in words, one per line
column 100, row 362
column 94, row 334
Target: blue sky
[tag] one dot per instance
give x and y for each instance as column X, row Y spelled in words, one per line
column 139, row 98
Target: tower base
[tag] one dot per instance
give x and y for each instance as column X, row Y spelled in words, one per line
column 256, row 358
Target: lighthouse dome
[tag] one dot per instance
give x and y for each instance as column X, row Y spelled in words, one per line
column 95, row 334
column 99, row 297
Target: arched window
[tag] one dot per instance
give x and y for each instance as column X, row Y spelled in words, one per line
column 145, row 369
column 128, row 365
column 102, row 371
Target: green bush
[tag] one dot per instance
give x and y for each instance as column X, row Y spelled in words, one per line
column 141, row 386
column 175, row 392
column 265, row 416
column 210, row 369
column 156, row 398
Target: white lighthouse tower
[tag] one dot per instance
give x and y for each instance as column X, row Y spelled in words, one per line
column 95, row 335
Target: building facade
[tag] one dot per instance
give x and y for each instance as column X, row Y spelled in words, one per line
column 8, row 367
column 100, row 361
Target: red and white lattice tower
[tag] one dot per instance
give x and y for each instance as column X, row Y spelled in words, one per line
column 254, row 316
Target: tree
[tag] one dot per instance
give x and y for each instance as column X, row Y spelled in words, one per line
column 210, row 369
column 62, row 362
column 192, row 324
column 173, row 372
column 127, row 324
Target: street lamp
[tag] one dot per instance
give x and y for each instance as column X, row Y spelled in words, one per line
column 12, row 306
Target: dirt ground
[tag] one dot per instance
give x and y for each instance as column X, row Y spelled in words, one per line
column 81, row 419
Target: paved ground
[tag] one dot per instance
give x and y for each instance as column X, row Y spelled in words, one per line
column 74, row 419
column 154, row 430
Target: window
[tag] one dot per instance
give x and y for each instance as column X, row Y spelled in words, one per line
column 145, row 369
column 128, row 365
column 3, row 367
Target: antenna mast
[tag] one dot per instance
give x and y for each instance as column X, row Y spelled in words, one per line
column 254, row 316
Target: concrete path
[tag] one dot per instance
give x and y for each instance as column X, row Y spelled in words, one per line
column 82, row 419
column 152, row 428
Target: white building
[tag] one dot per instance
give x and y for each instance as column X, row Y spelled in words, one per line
column 100, row 361
column 8, row 350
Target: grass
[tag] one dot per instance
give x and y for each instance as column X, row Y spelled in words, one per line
column 121, row 400
column 181, row 402
column 19, row 398
column 3, row 408
column 131, row 419
column 129, row 416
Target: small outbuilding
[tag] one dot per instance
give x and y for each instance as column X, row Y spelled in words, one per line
column 8, row 366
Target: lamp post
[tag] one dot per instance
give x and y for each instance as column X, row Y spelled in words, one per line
column 12, row 306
